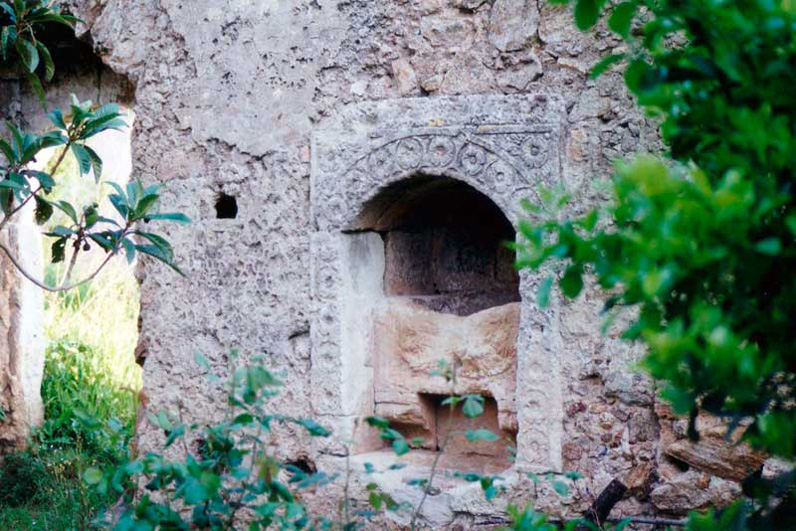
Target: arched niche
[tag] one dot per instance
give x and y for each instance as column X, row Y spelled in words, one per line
column 446, row 245
column 449, row 299
column 376, row 181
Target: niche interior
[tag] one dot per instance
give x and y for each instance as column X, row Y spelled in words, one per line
column 449, row 293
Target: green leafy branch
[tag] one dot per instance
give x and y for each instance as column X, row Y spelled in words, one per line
column 18, row 39
column 135, row 204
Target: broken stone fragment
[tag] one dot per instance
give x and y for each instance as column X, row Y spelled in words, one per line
column 518, row 78
column 404, row 76
column 717, row 456
column 433, row 83
column 513, row 24
column 694, row 490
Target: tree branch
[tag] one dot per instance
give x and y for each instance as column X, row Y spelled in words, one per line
column 44, row 286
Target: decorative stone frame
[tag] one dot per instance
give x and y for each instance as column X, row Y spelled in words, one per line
column 504, row 147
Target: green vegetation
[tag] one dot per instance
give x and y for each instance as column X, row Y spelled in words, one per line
column 90, row 394
column 700, row 250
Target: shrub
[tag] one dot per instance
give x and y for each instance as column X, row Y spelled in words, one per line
column 80, row 397
column 701, row 248
column 20, row 478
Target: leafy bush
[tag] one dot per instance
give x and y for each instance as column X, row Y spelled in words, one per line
column 77, row 386
column 19, row 479
column 702, row 247
column 230, row 479
column 41, row 489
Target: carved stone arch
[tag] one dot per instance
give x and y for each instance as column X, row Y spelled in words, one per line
column 485, row 168
column 504, row 148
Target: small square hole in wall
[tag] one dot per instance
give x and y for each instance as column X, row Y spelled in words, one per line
column 226, row 206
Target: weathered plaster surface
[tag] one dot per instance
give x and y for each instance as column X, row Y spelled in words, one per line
column 21, row 341
column 228, row 97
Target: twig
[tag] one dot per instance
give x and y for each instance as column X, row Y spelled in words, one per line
column 427, row 487
column 347, row 487
column 44, row 286
column 19, row 207
column 72, row 261
column 641, row 520
column 433, row 473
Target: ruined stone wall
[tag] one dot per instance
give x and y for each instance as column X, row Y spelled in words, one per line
column 229, row 97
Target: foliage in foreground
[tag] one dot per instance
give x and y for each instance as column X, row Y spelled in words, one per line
column 702, row 248
column 225, row 476
column 88, row 423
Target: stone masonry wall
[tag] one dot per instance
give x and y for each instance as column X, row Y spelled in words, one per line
column 228, row 96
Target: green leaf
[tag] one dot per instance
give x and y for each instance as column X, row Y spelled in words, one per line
column 313, row 428
column 83, row 158
column 163, row 421
column 201, row 361
column 635, row 74
column 400, row 446
column 28, row 54
column 13, row 185
column 67, row 209
column 587, row 12
column 480, row 435
column 604, row 64
column 621, row 18
column 92, row 476
column 171, row 216
column 44, row 178
column 543, row 295
column 378, row 422
column 57, row 118
column 129, row 250
column 374, row 499
column 195, row 492
column 44, row 211
column 790, row 221
column 561, row 488
column 96, row 163
column 769, row 246
column 7, row 8
column 37, row 89
column 244, row 419
column 49, row 66
column 8, row 152
column 58, row 250
column 473, row 406
column 572, row 282
column 7, row 38
column 59, row 231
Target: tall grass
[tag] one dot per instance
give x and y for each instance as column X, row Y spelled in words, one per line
column 102, row 316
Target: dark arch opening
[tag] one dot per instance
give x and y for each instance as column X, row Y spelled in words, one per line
column 445, row 245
